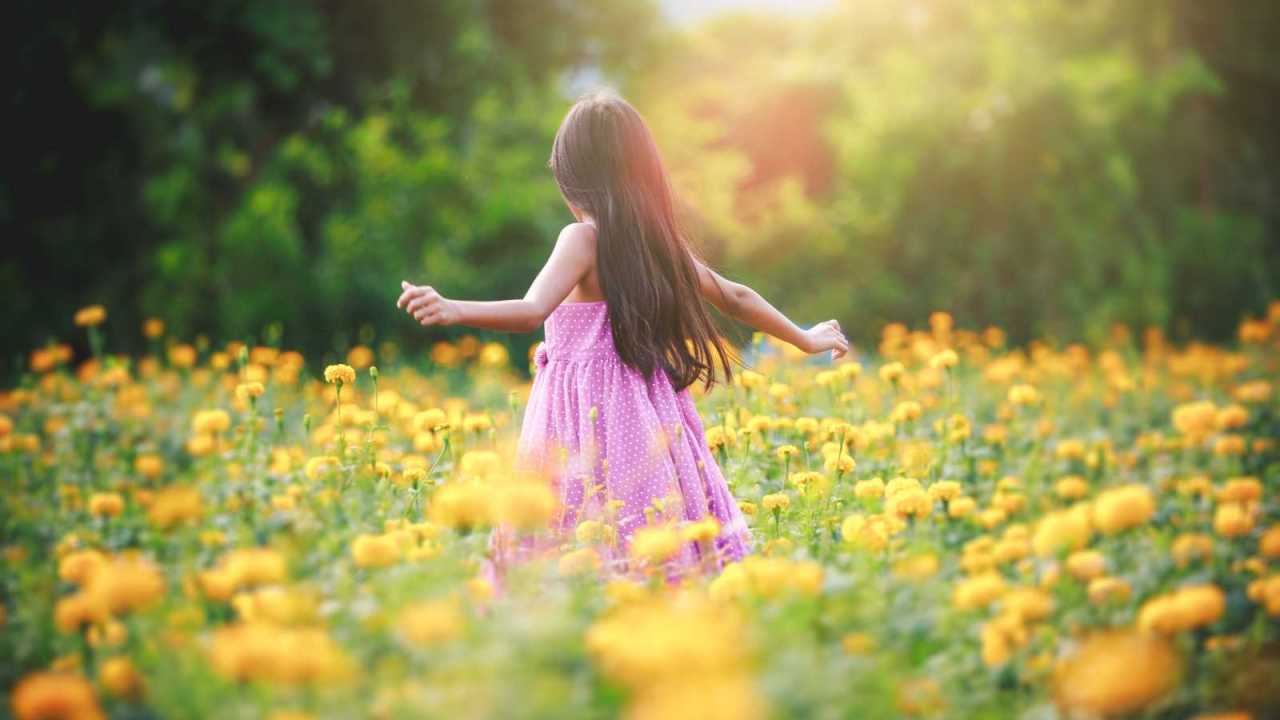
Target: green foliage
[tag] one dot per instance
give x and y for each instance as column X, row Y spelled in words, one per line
column 1051, row 167
column 1042, row 166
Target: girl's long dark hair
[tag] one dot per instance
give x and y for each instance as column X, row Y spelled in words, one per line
column 607, row 165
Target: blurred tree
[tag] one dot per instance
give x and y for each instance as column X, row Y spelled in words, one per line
column 227, row 164
column 1053, row 167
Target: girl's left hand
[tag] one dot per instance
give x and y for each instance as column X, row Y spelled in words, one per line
column 426, row 305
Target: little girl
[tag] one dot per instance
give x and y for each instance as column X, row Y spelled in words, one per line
column 609, row 419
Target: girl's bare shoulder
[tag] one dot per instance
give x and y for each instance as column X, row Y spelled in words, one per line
column 578, row 238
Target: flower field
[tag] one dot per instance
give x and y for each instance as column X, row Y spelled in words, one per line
column 946, row 527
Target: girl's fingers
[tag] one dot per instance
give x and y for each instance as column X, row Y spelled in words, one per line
column 410, row 295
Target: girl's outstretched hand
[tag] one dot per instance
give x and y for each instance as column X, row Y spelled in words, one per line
column 826, row 336
column 426, row 305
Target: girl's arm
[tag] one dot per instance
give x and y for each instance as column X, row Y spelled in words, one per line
column 572, row 258
column 747, row 306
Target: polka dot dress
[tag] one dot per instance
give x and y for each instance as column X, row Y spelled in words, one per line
column 622, row 450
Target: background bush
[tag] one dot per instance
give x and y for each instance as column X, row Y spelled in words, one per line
column 1052, row 167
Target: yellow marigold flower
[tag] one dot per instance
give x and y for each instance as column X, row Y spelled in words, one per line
column 175, row 504
column 370, row 551
column 1229, row 445
column 869, row 489
column 153, row 328
column 1103, row 589
column 944, row 360
column 917, row 567
column 77, row 611
column 1009, row 502
column 1086, row 564
column 211, row 422
column 892, row 372
column 1232, row 520
column 90, row 316
column 944, row 490
column 182, row 356
column 906, row 411
column 111, row 633
column 786, row 451
column 1232, row 417
column 962, row 506
column 149, row 465
column 1192, row 546
column 1240, row 490
column 480, row 463
column 281, row 655
column 655, row 545
column 1184, row 609
column 718, row 436
column 44, row 695
column 432, row 623
column 1195, row 419
column 1030, row 604
column 996, row 434
column 1071, row 487
column 119, row 677
column 430, row 419
column 1123, row 507
column 359, row 358
column 1070, row 449
column 525, row 504
column 249, row 390
column 126, row 583
column 578, row 562
column 978, row 591
column 1195, row 485
column 477, row 422
column 461, row 505
column 704, row 530
column 911, row 502
column 775, row 501
column 1024, row 395
column 1062, row 530
column 340, row 374
column 1269, row 543
column 106, row 504
column 254, row 566
column 839, row 462
column 1116, row 674
column 1256, row 391
column 996, row 648
column 590, row 531
column 79, row 565
column 1201, row 604
column 849, row 370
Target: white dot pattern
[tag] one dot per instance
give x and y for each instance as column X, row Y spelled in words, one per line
column 603, row 432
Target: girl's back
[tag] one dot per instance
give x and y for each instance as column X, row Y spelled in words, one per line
column 610, row 421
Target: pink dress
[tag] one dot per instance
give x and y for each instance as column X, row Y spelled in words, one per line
column 619, row 449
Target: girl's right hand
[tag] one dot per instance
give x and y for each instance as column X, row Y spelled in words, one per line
column 826, row 336
column 426, row 305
